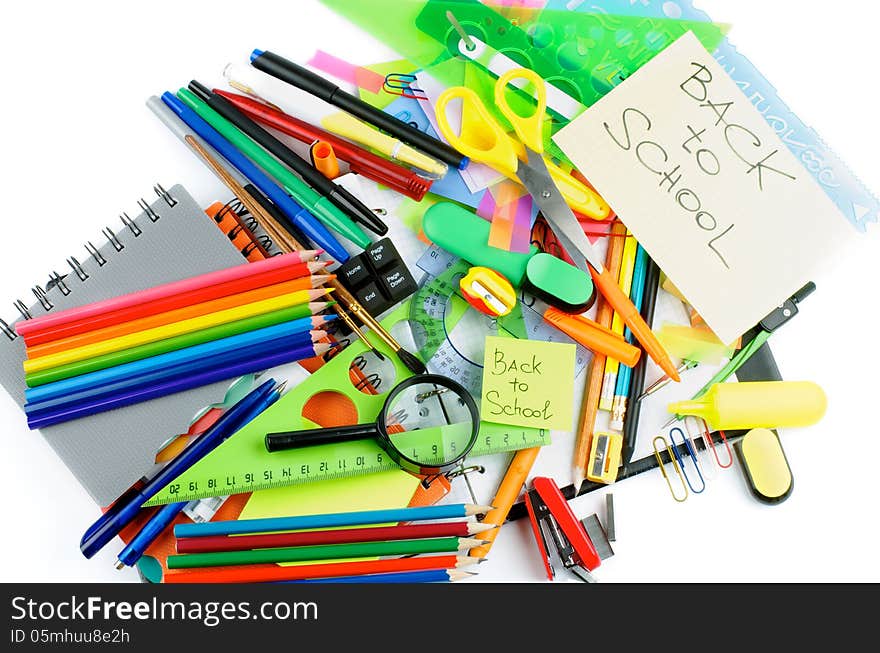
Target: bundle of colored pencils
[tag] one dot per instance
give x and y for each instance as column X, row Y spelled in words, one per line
column 253, row 550
column 174, row 337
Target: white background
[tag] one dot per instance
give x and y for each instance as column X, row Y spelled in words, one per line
column 75, row 79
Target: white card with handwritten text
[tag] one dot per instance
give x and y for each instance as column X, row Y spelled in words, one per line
column 707, row 187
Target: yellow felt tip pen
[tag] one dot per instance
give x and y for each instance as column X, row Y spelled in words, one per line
column 171, row 330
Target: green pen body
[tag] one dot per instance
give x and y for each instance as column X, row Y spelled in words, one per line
column 320, row 206
column 318, row 552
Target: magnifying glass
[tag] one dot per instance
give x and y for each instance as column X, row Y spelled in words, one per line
column 428, row 424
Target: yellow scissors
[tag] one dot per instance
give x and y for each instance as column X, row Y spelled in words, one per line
column 553, row 191
column 505, row 154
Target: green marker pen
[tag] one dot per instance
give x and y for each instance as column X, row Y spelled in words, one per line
column 319, row 206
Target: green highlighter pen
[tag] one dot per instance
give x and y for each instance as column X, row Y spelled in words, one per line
column 319, row 206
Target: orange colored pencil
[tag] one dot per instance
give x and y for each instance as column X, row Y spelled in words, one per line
column 274, row 573
column 596, row 373
column 184, row 313
column 167, row 297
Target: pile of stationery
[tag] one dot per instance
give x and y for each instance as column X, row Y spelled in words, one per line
column 555, row 251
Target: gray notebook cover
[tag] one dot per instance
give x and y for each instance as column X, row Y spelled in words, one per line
column 110, row 451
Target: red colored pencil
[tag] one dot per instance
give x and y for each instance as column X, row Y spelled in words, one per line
column 182, row 313
column 359, row 160
column 218, row 543
column 166, row 297
column 272, row 573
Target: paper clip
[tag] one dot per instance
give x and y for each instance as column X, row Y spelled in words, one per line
column 704, row 453
column 707, row 436
column 693, row 455
column 672, row 459
column 402, row 84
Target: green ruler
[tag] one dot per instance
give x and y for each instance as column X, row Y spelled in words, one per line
column 242, row 464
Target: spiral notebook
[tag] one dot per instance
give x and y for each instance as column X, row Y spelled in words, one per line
column 172, row 238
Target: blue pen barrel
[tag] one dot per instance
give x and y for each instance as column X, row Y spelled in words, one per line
column 150, row 531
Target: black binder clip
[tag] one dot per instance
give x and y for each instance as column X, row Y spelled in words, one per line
column 579, row 551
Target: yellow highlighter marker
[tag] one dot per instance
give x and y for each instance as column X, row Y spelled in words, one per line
column 171, row 330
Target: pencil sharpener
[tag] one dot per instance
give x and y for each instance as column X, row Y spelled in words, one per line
column 488, row 292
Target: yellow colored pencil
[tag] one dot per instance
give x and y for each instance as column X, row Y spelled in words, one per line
column 170, row 330
column 627, row 266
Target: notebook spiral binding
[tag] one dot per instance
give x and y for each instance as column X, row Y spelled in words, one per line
column 57, row 280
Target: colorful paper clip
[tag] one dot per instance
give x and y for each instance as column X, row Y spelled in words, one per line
column 402, row 84
column 707, row 436
column 659, row 456
column 551, row 516
column 691, row 451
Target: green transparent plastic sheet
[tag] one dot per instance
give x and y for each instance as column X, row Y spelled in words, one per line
column 584, row 54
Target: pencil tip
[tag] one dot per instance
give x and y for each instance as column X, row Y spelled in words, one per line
column 119, row 564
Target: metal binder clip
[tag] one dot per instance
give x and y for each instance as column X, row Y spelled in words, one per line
column 551, row 515
column 42, row 297
column 165, row 195
column 660, row 463
column 117, row 245
column 148, row 210
column 99, row 258
column 128, row 222
column 77, row 267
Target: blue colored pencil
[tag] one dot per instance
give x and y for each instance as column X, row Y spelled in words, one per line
column 624, row 375
column 129, row 397
column 299, row 522
column 295, row 331
column 316, row 231
column 428, row 576
column 171, row 372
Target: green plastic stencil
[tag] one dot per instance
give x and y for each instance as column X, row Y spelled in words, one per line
column 242, row 464
column 584, row 54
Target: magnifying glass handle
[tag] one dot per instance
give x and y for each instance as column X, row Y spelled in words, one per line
column 284, row 440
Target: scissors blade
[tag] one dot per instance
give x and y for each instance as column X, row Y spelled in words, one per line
column 537, row 180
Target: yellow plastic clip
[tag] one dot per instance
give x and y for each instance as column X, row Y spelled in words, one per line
column 658, row 455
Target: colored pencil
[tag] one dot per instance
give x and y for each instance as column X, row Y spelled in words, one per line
column 180, row 314
column 428, row 576
column 183, row 290
column 178, row 385
column 624, row 374
column 171, row 330
column 593, row 387
column 170, row 373
column 341, row 536
column 176, row 363
column 624, row 281
column 322, row 552
column 270, row 573
column 301, row 311
column 331, row 520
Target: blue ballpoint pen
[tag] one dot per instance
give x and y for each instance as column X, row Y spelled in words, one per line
column 298, row 215
column 147, row 535
column 129, row 504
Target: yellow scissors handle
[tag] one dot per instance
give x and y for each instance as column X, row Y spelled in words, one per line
column 529, row 129
column 490, row 145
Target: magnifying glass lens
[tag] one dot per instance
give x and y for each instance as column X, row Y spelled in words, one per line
column 430, row 423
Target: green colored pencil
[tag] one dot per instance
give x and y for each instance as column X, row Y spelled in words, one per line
column 323, row 552
column 300, row 311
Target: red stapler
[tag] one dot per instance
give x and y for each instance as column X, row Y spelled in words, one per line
column 551, row 515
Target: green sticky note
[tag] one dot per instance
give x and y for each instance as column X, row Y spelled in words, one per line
column 528, row 383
